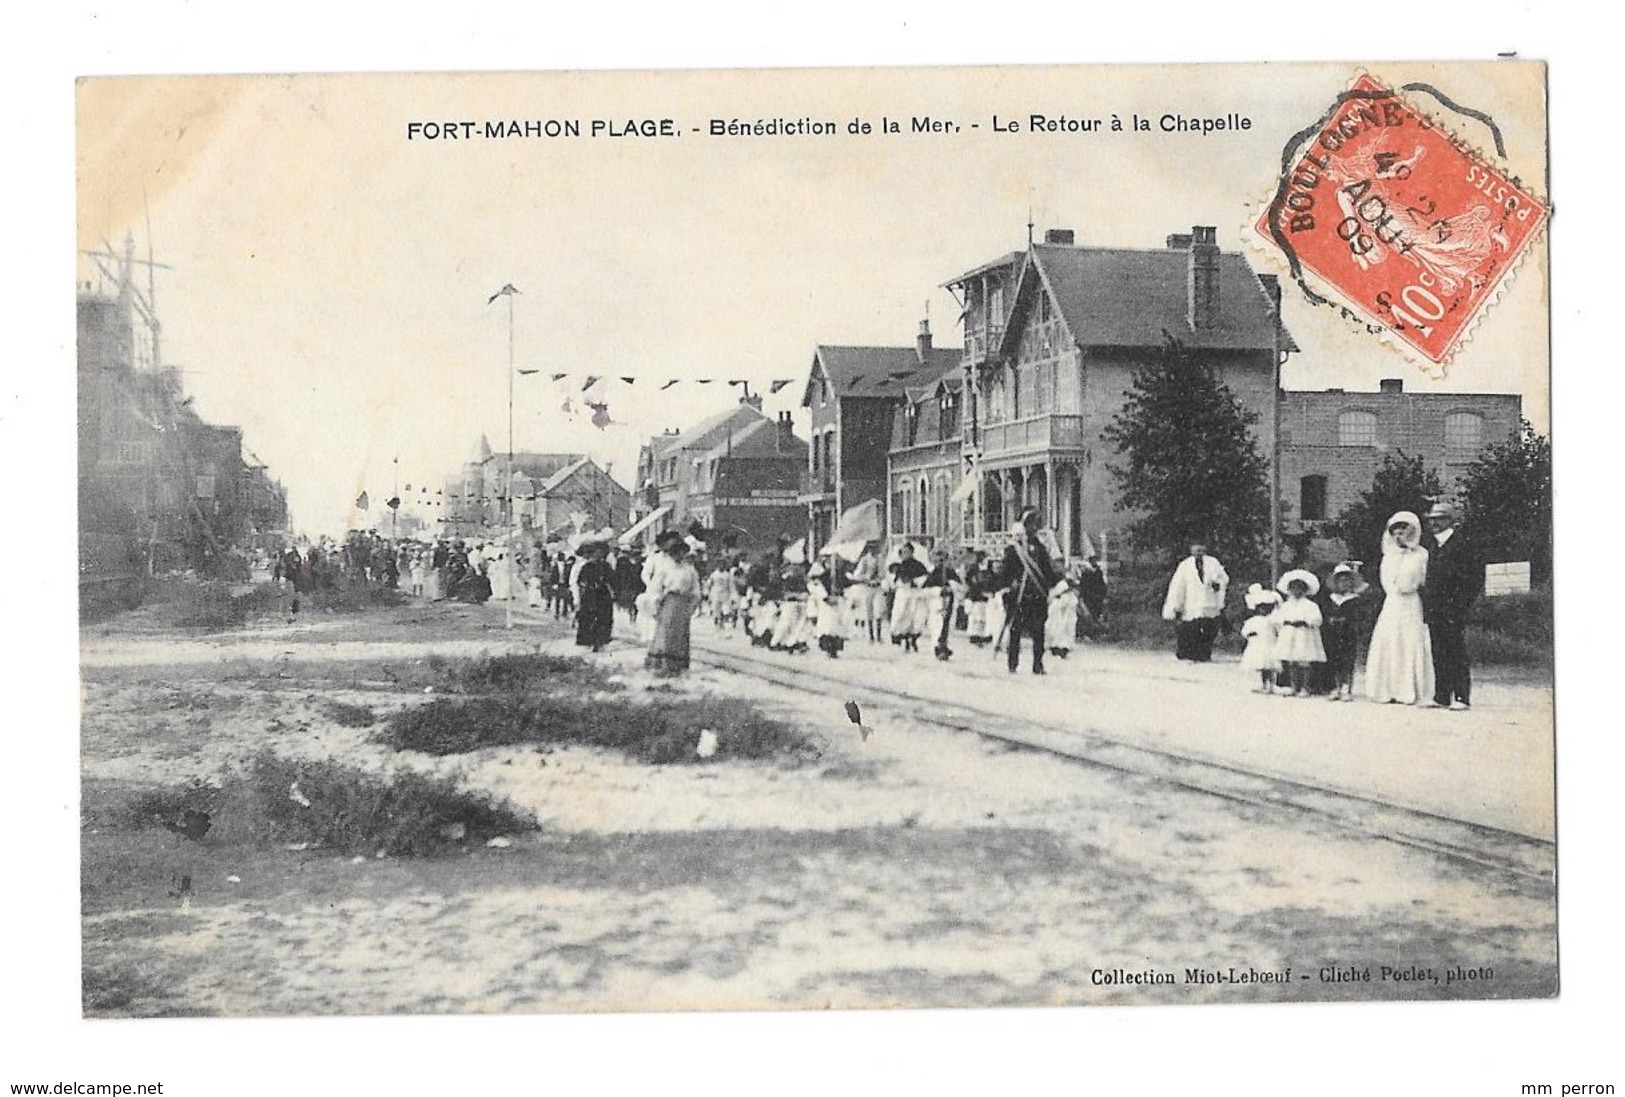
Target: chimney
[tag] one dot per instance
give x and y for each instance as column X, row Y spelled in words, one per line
column 754, row 400
column 1063, row 237
column 786, row 439
column 1203, row 280
column 922, row 342
column 1179, row 241
column 1391, row 384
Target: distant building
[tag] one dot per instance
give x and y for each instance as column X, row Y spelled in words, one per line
column 1332, row 441
column 160, row 489
column 852, row 395
column 1053, row 337
column 551, row 492
column 736, row 473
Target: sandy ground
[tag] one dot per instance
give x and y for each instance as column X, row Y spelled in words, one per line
column 923, row 867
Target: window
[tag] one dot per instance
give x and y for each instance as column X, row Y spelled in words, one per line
column 205, row 482
column 992, row 504
column 905, row 508
column 924, row 503
column 911, row 422
column 1357, row 428
column 1463, row 435
column 1312, row 498
column 948, row 415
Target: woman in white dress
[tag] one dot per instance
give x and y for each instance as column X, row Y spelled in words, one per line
column 1399, row 666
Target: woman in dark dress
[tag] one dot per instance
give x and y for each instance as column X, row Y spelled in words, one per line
column 595, row 609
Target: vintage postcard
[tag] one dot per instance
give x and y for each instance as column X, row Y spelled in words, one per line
column 701, row 540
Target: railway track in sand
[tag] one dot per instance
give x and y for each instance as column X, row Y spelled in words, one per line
column 1484, row 847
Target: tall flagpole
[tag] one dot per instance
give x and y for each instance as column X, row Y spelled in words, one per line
column 513, row 541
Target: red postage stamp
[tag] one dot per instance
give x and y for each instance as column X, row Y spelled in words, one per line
column 1389, row 211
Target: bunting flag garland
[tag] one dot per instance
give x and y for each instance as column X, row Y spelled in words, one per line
column 777, row 385
column 590, row 382
column 528, row 372
column 667, row 385
column 735, row 382
column 704, row 380
column 361, row 501
column 629, row 380
column 560, row 376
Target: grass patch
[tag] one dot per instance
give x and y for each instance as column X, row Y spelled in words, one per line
column 510, row 674
column 211, row 605
column 332, row 806
column 667, row 733
column 348, row 715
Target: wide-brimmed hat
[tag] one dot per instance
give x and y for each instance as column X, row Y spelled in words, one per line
column 1298, row 575
column 1257, row 596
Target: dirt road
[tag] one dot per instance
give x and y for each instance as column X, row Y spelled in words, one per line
column 923, row 867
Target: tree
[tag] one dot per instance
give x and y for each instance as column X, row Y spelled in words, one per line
column 1190, row 464
column 1507, row 500
column 1400, row 483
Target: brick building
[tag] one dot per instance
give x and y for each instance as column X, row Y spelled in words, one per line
column 1333, row 441
column 852, row 395
column 736, row 472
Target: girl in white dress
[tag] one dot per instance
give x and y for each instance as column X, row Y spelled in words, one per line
column 1061, row 626
column 1399, row 665
column 1262, row 631
column 1298, row 645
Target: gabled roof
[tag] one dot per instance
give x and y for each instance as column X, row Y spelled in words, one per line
column 562, row 475
column 756, row 439
column 879, row 371
column 1125, row 297
column 708, row 431
column 537, row 466
column 1013, row 259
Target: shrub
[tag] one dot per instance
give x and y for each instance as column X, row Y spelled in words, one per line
column 358, row 812
column 335, row 806
column 663, row 734
column 350, row 716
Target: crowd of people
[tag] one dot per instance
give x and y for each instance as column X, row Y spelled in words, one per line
column 1305, row 636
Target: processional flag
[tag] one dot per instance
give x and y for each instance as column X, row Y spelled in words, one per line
column 506, row 291
column 361, row 502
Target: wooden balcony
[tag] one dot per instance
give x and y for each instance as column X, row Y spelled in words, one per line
column 1034, row 434
column 982, row 344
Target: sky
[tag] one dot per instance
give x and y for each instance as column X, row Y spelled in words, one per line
column 331, row 275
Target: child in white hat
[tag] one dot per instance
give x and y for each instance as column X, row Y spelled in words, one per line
column 1261, row 631
column 1299, row 645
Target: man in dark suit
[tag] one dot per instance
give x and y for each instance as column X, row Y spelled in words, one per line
column 1455, row 579
column 1027, row 577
